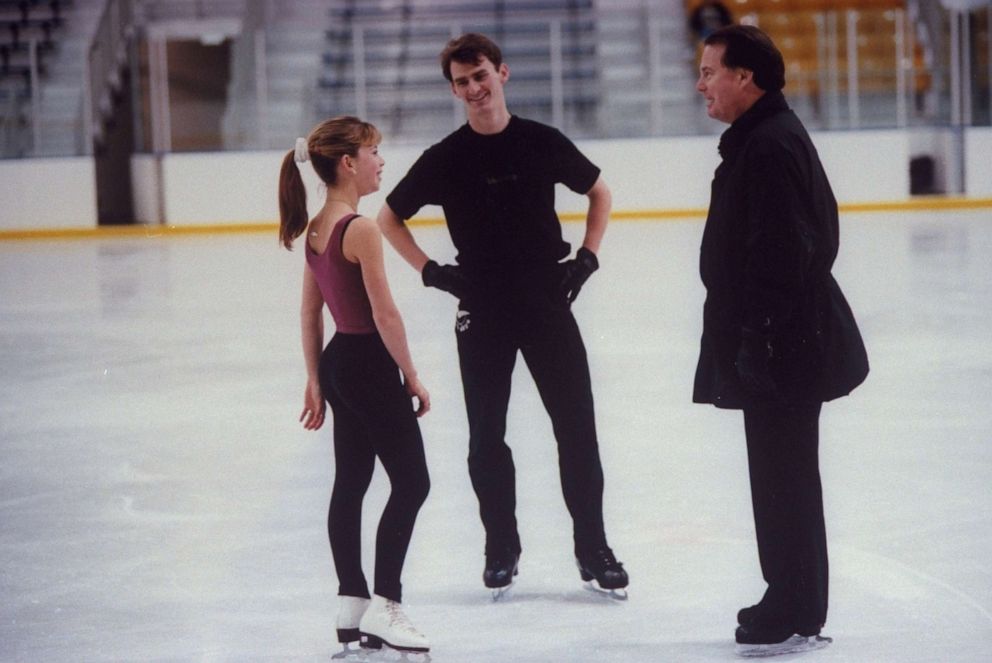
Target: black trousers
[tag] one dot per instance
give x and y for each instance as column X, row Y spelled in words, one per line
column 783, row 460
column 373, row 417
column 546, row 334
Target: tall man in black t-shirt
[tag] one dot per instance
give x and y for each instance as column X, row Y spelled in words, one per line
column 495, row 178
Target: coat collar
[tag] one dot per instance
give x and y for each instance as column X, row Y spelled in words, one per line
column 733, row 138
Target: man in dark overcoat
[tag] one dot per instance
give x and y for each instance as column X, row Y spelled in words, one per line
column 779, row 339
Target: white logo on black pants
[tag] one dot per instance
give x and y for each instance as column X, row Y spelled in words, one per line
column 462, row 321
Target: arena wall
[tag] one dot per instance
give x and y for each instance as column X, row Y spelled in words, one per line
column 978, row 162
column 646, row 175
column 48, row 193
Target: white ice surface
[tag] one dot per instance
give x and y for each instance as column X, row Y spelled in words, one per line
column 160, row 502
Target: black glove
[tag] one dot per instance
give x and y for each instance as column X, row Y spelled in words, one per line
column 449, row 278
column 752, row 363
column 576, row 272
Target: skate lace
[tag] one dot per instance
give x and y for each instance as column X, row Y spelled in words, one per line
column 398, row 618
column 605, row 560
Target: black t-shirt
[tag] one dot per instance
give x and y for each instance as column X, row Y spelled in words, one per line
column 498, row 192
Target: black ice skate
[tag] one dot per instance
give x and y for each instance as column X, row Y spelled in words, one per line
column 768, row 609
column 603, row 573
column 501, row 568
column 745, row 616
column 761, row 611
column 758, row 640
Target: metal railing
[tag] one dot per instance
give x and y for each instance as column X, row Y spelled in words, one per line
column 552, row 83
column 21, row 110
column 839, row 92
column 13, row 139
column 371, row 78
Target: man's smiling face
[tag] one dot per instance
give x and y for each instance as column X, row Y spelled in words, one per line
column 479, row 85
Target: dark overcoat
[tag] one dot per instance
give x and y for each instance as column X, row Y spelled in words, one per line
column 769, row 243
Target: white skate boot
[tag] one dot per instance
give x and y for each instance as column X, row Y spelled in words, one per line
column 385, row 623
column 350, row 611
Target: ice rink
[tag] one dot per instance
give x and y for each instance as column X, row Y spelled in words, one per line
column 160, row 502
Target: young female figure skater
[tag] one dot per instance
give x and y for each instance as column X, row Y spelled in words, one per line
column 359, row 374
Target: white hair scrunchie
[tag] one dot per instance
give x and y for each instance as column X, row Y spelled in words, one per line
column 302, row 152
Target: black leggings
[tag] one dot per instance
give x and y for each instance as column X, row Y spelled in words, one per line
column 373, row 416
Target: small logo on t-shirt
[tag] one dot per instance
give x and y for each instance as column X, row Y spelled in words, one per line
column 462, row 321
column 499, row 180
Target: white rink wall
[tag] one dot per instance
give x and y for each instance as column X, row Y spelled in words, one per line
column 978, row 162
column 644, row 175
column 196, row 189
column 48, row 193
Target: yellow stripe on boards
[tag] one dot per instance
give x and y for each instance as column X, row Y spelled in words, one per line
column 927, row 203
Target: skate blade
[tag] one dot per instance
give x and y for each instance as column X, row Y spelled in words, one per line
column 615, row 594
column 793, row 645
column 349, row 654
column 498, row 593
column 377, row 649
column 388, row 654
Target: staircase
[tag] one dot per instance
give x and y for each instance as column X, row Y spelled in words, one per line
column 292, row 40
column 623, row 68
column 595, row 68
column 648, row 70
column 397, row 83
column 59, row 97
column 61, row 108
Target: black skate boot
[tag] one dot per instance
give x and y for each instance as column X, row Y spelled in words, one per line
column 775, row 607
column 603, row 572
column 501, row 567
column 745, row 616
column 766, row 639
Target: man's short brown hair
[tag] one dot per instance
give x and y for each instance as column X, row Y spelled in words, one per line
column 470, row 48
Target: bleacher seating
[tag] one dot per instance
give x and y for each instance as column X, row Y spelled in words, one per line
column 404, row 88
column 21, row 23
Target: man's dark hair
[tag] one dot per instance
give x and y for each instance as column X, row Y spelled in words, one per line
column 747, row 47
column 470, row 48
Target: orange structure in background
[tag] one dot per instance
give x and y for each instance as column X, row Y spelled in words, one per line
column 799, row 29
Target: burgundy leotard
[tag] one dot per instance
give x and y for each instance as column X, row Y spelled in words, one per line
column 340, row 283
